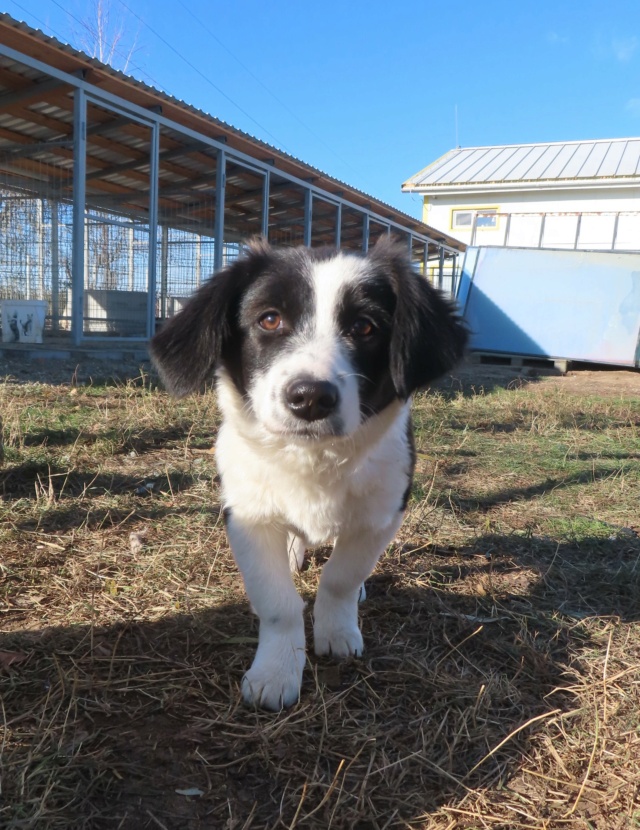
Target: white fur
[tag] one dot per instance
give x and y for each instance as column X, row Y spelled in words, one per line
column 295, row 338
column 318, row 353
column 285, row 492
column 348, row 491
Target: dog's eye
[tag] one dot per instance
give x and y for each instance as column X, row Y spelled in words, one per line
column 270, row 321
column 361, row 328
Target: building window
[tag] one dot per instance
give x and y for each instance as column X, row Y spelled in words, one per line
column 462, row 220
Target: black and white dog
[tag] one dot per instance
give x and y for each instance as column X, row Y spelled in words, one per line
column 316, row 354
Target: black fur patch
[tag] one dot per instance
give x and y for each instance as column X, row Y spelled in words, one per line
column 375, row 300
column 418, row 336
column 284, row 286
column 189, row 346
column 428, row 337
column 217, row 324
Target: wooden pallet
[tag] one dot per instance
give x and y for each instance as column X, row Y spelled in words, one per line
column 518, row 361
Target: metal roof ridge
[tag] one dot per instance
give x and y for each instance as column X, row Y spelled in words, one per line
column 538, row 144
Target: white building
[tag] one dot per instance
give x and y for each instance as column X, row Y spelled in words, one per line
column 572, row 195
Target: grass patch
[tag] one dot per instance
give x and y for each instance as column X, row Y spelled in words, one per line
column 500, row 687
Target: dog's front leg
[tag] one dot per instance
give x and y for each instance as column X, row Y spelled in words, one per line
column 335, row 628
column 274, row 679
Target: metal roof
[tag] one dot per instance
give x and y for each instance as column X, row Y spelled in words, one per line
column 47, row 125
column 615, row 160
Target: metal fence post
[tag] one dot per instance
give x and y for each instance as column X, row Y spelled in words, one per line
column 441, row 268
column 265, row 204
column 164, row 270
column 308, row 207
column 454, row 275
column 79, row 192
column 578, row 223
column 221, row 183
column 154, row 165
column 507, row 229
column 55, row 267
column 541, row 237
column 615, row 232
column 474, row 225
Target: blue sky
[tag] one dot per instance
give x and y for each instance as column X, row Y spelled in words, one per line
column 368, row 91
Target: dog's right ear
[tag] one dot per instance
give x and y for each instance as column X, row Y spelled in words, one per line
column 187, row 349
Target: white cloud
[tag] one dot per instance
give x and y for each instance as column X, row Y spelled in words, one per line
column 623, row 48
column 554, row 37
column 633, row 107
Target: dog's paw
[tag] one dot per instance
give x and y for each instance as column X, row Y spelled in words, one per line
column 270, row 690
column 336, row 631
column 338, row 642
column 273, row 681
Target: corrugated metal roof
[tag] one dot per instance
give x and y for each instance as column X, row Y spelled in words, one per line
column 214, row 124
column 616, row 158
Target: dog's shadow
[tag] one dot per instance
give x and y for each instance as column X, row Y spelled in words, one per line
column 143, row 719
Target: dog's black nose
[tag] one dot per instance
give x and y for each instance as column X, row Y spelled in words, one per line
column 311, row 400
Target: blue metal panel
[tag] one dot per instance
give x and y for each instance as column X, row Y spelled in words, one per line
column 577, row 305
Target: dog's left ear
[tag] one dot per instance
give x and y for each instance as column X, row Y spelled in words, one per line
column 428, row 336
column 189, row 347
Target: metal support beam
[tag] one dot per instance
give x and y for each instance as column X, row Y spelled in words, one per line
column 31, row 147
column 365, row 233
column 474, row 227
column 154, row 169
column 41, row 250
column 541, row 239
column 165, row 155
column 131, row 258
column 265, row 204
column 221, row 183
column 112, row 101
column 308, row 207
column 199, row 261
column 338, row 225
column 507, row 230
column 55, row 267
column 454, row 275
column 578, row 224
column 441, row 268
column 615, row 232
column 79, row 172
column 164, row 270
column 30, row 92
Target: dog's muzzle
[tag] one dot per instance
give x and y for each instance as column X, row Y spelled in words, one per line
column 311, row 400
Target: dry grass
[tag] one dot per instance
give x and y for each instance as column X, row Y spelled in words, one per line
column 501, row 683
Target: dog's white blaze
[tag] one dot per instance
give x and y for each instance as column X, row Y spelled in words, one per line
column 317, row 352
column 330, row 278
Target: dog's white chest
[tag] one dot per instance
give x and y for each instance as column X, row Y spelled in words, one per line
column 317, row 494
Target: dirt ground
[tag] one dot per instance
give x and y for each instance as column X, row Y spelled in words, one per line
column 500, row 687
column 603, row 382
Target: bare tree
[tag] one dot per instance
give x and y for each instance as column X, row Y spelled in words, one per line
column 106, row 35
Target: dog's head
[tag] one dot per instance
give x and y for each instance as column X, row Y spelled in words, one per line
column 315, row 341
